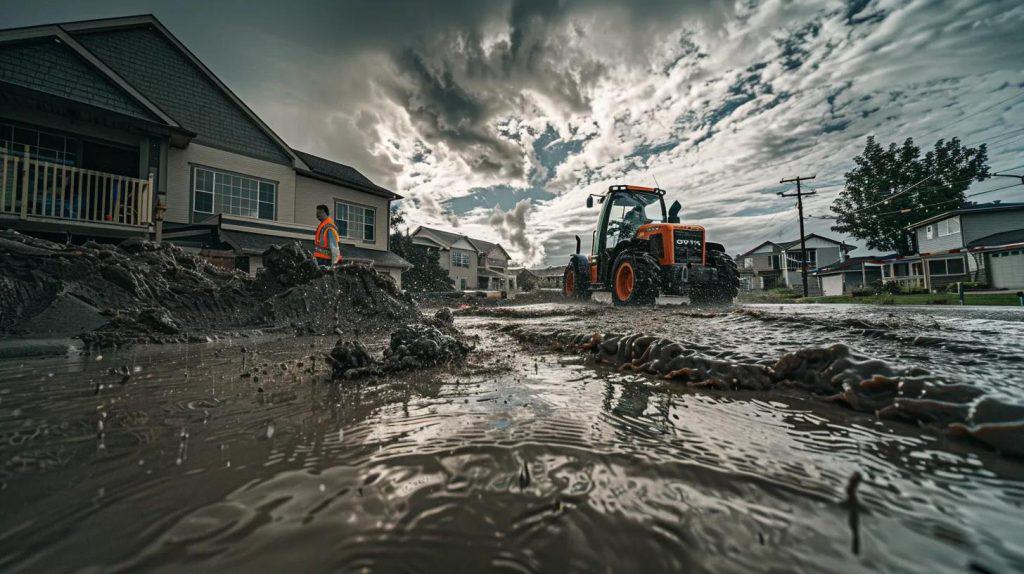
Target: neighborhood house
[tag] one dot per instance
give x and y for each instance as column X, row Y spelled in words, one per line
column 777, row 264
column 471, row 263
column 113, row 128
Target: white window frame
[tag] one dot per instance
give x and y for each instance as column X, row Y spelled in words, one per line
column 243, row 181
column 946, row 227
column 352, row 221
column 929, row 232
column 945, row 264
column 460, row 258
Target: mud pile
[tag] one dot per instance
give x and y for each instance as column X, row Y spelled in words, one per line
column 836, row 373
column 411, row 347
column 140, row 291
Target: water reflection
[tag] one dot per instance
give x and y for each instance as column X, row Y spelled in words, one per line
column 548, row 464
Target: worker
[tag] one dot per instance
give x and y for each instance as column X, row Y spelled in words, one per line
column 325, row 241
column 632, row 221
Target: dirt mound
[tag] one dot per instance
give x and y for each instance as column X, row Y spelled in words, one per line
column 411, row 347
column 161, row 293
column 836, row 373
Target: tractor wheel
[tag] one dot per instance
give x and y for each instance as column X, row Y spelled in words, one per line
column 724, row 290
column 575, row 285
column 634, row 279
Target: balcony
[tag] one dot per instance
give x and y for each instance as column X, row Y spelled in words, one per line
column 38, row 190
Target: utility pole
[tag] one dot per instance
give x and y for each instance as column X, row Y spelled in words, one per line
column 800, row 195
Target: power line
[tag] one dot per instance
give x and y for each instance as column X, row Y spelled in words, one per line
column 962, row 118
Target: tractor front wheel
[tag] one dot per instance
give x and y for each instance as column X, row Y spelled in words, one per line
column 634, row 280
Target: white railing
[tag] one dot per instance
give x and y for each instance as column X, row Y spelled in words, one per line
column 36, row 188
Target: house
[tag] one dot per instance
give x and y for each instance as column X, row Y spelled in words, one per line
column 777, row 264
column 471, row 263
column 541, row 278
column 979, row 242
column 842, row 277
column 905, row 270
column 112, row 128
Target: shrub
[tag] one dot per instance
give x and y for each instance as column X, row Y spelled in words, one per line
column 892, row 288
column 862, row 292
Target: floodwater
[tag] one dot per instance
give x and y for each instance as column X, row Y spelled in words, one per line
column 206, row 458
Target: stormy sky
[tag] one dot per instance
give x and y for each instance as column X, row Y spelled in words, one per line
column 497, row 118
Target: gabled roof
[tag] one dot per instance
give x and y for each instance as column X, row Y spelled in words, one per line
column 340, row 173
column 156, row 65
column 851, row 264
column 36, row 58
column 486, row 247
column 758, row 246
column 786, row 245
column 446, row 238
column 969, row 208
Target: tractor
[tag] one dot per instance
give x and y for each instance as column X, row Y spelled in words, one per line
column 640, row 250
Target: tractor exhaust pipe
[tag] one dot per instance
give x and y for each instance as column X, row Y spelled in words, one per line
column 577, row 245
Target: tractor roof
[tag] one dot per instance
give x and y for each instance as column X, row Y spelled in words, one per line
column 638, row 188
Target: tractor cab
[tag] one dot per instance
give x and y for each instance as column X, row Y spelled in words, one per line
column 640, row 249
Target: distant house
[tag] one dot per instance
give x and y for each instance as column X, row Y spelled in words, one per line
column 471, row 263
column 778, row 264
column 842, row 277
column 541, row 278
column 113, row 128
column 976, row 242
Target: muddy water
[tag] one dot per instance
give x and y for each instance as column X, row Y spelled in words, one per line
column 206, row 457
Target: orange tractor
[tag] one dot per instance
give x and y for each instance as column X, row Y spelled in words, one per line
column 640, row 250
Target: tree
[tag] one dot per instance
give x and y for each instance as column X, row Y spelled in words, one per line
column 890, row 188
column 426, row 273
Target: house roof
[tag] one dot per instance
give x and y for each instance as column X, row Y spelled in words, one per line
column 787, row 245
column 851, row 264
column 969, row 208
column 155, row 62
column 486, row 247
column 758, row 246
column 996, row 239
column 343, row 174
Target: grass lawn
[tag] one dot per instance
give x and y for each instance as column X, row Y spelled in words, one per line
column 1001, row 299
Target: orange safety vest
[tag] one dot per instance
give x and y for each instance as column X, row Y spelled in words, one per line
column 321, row 247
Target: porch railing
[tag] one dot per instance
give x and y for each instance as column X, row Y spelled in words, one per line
column 35, row 188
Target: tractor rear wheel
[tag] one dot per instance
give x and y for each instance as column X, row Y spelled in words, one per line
column 575, row 284
column 634, row 279
column 727, row 285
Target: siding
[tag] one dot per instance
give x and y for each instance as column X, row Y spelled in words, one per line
column 925, row 245
column 179, row 173
column 310, row 192
column 169, row 79
column 467, row 273
column 827, row 255
column 53, row 68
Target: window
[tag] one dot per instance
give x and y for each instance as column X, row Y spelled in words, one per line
column 233, row 194
column 953, row 266
column 929, row 232
column 949, row 226
column 43, row 145
column 355, row 221
column 793, row 259
column 460, row 258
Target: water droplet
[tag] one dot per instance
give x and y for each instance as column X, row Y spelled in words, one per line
column 99, row 357
column 270, row 430
column 323, row 488
column 341, row 435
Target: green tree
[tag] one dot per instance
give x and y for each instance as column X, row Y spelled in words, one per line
column 426, row 273
column 890, row 188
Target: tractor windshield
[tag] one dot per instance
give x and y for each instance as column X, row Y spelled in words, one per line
column 628, row 211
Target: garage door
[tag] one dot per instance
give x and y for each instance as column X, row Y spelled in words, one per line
column 1008, row 269
column 832, row 284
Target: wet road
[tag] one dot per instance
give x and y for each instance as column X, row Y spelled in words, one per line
column 205, row 457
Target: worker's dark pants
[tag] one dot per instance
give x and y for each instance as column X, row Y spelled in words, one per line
column 323, row 262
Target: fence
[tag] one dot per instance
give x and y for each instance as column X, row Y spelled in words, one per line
column 36, row 188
